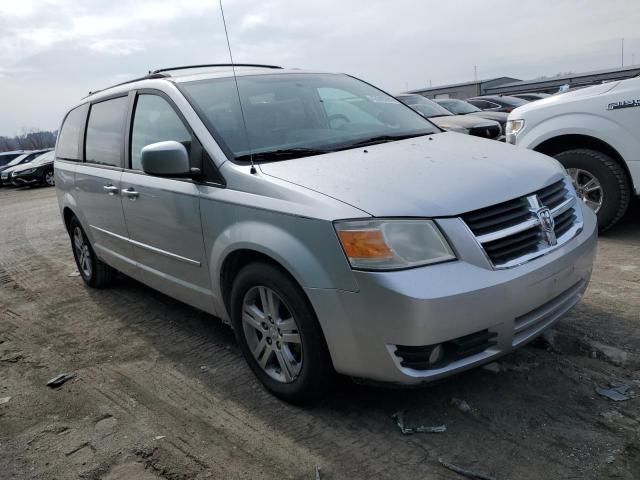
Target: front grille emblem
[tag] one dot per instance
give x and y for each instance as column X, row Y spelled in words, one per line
column 545, row 217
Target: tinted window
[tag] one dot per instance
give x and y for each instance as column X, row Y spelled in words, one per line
column 4, row 159
column 69, row 138
column 155, row 121
column 294, row 112
column 104, row 131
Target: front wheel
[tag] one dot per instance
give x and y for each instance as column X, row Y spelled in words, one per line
column 279, row 335
column 48, row 178
column 600, row 182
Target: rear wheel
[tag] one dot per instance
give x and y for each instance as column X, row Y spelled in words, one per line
column 279, row 334
column 93, row 271
column 600, row 182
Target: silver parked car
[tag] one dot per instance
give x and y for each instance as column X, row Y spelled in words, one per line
column 335, row 228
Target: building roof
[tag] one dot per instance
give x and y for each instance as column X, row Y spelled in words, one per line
column 462, row 84
column 572, row 76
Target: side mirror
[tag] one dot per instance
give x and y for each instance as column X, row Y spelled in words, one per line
column 165, row 159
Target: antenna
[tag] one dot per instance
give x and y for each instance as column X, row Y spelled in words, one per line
column 235, row 79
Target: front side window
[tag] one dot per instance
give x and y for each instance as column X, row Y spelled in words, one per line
column 105, row 132
column 155, row 121
column 68, row 146
column 297, row 114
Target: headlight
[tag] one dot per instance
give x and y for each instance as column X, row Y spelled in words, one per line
column 392, row 244
column 514, row 126
column 25, row 172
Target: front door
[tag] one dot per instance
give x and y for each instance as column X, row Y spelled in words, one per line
column 163, row 214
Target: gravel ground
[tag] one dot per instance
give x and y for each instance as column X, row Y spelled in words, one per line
column 161, row 390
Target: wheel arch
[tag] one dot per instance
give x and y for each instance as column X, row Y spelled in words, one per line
column 561, row 143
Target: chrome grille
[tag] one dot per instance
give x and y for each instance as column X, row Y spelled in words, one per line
column 524, row 228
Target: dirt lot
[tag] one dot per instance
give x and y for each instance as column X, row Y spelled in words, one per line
column 162, row 391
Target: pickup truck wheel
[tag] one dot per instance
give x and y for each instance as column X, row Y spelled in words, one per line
column 600, row 182
column 93, row 271
column 279, row 334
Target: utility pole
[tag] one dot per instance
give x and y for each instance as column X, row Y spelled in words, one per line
column 475, row 73
column 633, row 59
column 622, row 51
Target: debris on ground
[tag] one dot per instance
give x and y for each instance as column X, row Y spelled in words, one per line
column 75, row 273
column 493, row 367
column 4, row 400
column 460, row 404
column 616, row 393
column 317, row 473
column 159, row 437
column 464, row 472
column 399, row 418
column 609, row 353
column 60, row 380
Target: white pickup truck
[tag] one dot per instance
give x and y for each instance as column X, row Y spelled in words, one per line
column 595, row 133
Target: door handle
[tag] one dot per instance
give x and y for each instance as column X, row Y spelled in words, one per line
column 131, row 193
column 110, row 189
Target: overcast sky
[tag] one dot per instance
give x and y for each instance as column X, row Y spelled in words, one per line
column 52, row 52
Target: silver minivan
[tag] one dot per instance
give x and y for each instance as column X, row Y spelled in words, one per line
column 333, row 227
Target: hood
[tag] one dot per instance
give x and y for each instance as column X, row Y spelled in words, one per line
column 500, row 117
column 439, row 175
column 461, row 121
column 567, row 97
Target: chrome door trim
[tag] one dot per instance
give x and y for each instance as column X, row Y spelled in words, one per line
column 149, row 247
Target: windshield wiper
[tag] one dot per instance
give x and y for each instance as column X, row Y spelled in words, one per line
column 382, row 139
column 283, row 154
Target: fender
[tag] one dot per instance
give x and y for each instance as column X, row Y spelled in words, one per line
column 596, row 126
column 310, row 258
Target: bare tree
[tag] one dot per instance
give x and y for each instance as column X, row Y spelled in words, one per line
column 29, row 139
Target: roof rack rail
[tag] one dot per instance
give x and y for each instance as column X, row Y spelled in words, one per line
column 149, row 76
column 186, row 67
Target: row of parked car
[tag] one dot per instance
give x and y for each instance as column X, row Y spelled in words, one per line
column 484, row 116
column 27, row 168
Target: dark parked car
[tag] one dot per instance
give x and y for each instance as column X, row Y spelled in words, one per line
column 531, row 97
column 26, row 157
column 460, row 107
column 39, row 171
column 6, row 157
column 443, row 118
column 497, row 103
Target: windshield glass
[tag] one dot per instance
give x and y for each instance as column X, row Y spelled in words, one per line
column 42, row 159
column 17, row 160
column 427, row 107
column 458, row 107
column 518, row 102
column 294, row 115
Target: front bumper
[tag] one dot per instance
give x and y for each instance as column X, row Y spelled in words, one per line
column 26, row 179
column 440, row 303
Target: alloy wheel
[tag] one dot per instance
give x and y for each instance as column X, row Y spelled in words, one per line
column 272, row 334
column 83, row 254
column 49, row 179
column 588, row 188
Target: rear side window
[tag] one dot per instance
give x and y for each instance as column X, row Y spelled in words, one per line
column 68, row 147
column 105, row 129
column 155, row 121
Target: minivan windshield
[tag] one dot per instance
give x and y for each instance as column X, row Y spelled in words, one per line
column 293, row 115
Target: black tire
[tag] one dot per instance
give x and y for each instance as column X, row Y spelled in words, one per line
column 100, row 274
column 612, row 177
column 316, row 373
